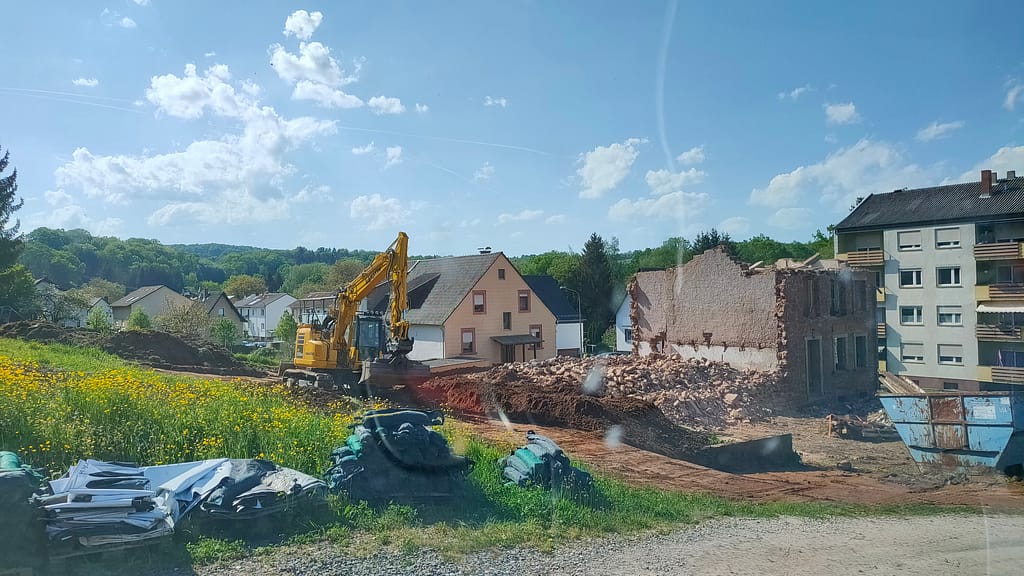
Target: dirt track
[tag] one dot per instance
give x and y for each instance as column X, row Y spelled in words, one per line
column 639, row 467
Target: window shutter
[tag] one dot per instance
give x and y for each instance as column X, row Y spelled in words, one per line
column 909, row 239
column 947, row 236
column 951, row 350
column 913, row 349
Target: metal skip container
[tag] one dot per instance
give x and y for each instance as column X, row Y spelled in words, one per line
column 961, row 429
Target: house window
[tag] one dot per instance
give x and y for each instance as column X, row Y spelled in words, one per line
column 1009, row 274
column 951, row 354
column 950, row 386
column 909, row 240
column 910, row 279
column 501, row 273
column 840, row 352
column 536, row 331
column 1010, row 359
column 950, row 316
column 627, row 334
column 221, row 312
column 479, row 302
column 949, row 276
column 506, row 320
column 860, row 344
column 860, row 302
column 812, row 287
column 469, row 340
column 524, row 300
column 912, row 352
column 838, row 307
column 911, row 315
column 947, row 238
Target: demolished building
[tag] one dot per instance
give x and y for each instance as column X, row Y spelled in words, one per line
column 814, row 327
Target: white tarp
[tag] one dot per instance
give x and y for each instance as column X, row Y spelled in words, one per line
column 996, row 308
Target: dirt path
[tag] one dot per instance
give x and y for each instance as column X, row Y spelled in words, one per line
column 646, row 468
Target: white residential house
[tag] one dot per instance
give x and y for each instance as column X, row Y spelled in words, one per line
column 81, row 319
column 313, row 306
column 262, row 312
column 623, row 327
column 153, row 300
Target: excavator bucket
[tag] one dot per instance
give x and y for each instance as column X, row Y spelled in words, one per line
column 381, row 374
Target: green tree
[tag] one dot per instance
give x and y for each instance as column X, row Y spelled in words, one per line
column 58, row 306
column 304, row 278
column 18, row 297
column 225, row 332
column 822, row 244
column 673, row 252
column 10, row 239
column 596, row 288
column 189, row 319
column 286, row 328
column 608, row 341
column 342, row 272
column 139, row 320
column 709, row 239
column 100, row 288
column 99, row 321
column 242, row 285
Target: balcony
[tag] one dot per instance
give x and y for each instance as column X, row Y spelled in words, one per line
column 881, row 331
column 999, row 292
column 999, row 251
column 872, row 257
column 997, row 333
column 1001, row 374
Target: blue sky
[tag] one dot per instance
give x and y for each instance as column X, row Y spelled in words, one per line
column 519, row 125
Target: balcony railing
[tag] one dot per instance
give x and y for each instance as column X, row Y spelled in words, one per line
column 997, row 333
column 999, row 251
column 872, row 257
column 999, row 292
column 1001, row 374
column 881, row 331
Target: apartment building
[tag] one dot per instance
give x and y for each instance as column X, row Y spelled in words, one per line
column 949, row 264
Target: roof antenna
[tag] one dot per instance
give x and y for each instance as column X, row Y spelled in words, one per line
column 484, row 250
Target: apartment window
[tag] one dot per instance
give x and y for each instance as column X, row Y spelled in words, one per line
column 947, row 238
column 860, row 295
column 536, row 330
column 909, row 240
column 910, row 279
column 912, row 352
column 949, row 276
column 501, row 273
column 479, row 302
column 627, row 334
column 221, row 311
column 950, row 316
column 524, row 300
column 860, row 344
column 950, row 386
column 838, row 306
column 951, row 354
column 812, row 301
column 879, row 279
column 1010, row 359
column 469, row 340
column 840, row 352
column 911, row 315
column 1009, row 274
column 506, row 320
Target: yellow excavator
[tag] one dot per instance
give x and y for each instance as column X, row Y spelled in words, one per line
column 355, row 350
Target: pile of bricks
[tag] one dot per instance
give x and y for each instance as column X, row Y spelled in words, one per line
column 698, row 394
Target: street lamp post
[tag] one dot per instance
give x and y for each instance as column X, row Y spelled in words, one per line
column 579, row 314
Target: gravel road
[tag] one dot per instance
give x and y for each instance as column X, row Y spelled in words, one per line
column 789, row 546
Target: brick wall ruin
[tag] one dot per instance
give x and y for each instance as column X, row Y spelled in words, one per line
column 714, row 307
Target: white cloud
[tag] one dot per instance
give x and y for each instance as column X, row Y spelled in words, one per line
column 210, row 54
column 302, row 24
column 484, row 172
column 663, row 182
column 57, row 197
column 469, row 223
column 795, row 93
column 360, row 150
column 604, row 167
column 1006, row 158
column 489, row 101
column 126, row 22
column 310, row 193
column 377, row 212
column 142, row 2
column 520, row 216
column 190, row 95
column 831, row 138
column 86, row 82
column 245, row 209
column 792, row 218
column 694, row 155
column 866, row 167
column 675, row 205
column 70, row 216
column 313, row 62
column 324, row 96
column 138, row 103
column 841, row 113
column 421, row 108
column 936, row 130
column 386, row 105
column 1014, row 92
column 555, row 219
column 735, row 226
column 393, row 156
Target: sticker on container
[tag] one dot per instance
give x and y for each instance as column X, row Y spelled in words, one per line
column 1003, row 400
column 984, row 412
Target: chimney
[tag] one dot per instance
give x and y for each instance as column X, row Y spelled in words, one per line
column 1011, row 174
column 986, row 183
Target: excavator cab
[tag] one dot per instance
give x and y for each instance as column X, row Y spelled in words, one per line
column 369, row 336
